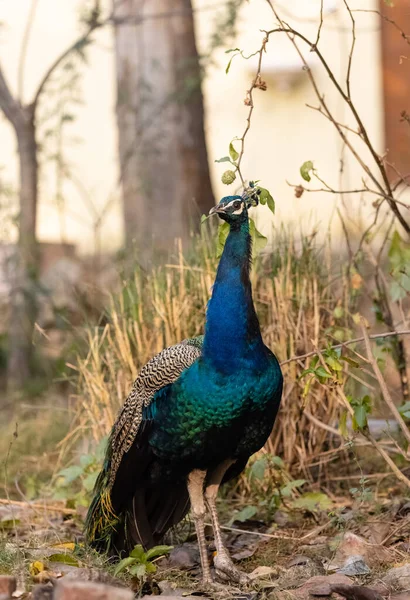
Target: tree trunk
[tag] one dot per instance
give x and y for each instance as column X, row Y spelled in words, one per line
column 25, row 271
column 163, row 159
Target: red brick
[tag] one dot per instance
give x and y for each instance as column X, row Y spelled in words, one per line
column 7, row 585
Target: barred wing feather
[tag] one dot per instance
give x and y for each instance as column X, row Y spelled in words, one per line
column 161, row 370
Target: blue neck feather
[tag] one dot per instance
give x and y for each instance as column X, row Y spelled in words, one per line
column 232, row 334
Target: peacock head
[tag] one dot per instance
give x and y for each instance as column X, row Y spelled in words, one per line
column 234, row 209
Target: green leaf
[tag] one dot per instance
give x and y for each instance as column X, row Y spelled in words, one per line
column 313, row 501
column 204, row 218
column 124, row 564
column 233, row 153
column 287, row 489
column 224, row 159
column 89, row 481
column 350, row 361
column 333, row 363
column 158, row 551
column 259, row 241
column 360, row 415
column 66, row 559
column 404, row 410
column 246, row 513
column 321, row 371
column 266, row 198
column 72, row 473
column 258, row 469
column 232, row 50
column 151, row 567
column 223, row 232
column 139, row 570
column 343, row 424
column 138, row 553
column 278, row 462
column 305, row 170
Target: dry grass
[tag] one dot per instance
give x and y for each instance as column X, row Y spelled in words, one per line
column 296, row 290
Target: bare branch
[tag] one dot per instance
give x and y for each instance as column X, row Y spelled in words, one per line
column 387, row 192
column 349, row 66
column 93, row 25
column 23, row 50
column 376, row 336
column 384, row 389
column 320, row 24
column 8, row 104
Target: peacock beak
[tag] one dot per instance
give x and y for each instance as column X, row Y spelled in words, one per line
column 215, row 210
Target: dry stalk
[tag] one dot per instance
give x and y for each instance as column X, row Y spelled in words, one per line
column 382, row 383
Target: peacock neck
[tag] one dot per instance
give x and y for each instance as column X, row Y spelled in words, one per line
column 232, row 333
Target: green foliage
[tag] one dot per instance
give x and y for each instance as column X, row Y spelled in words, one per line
column 361, row 407
column 228, row 177
column 270, row 486
column 399, row 259
column 313, row 501
column 75, row 483
column 139, row 563
column 306, row 169
column 404, row 410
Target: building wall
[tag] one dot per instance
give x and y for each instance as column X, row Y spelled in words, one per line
column 284, row 132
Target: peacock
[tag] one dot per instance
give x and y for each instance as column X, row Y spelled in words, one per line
column 196, row 413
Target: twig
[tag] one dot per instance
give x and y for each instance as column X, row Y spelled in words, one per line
column 387, row 191
column 23, row 50
column 37, row 505
column 374, row 336
column 349, row 65
column 249, row 102
column 319, row 29
column 383, row 386
column 388, row 460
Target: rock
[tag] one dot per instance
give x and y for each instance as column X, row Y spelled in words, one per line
column 79, row 590
column 354, row 566
column 8, row 585
column 184, row 557
column 355, row 592
column 93, row 575
column 319, row 583
column 42, row 592
column 398, row 578
column 354, row 545
column 169, row 588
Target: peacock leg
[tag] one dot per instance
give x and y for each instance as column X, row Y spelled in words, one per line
column 196, row 481
column 222, row 561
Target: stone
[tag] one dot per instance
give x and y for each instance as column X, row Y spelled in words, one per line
column 398, row 578
column 8, row 585
column 42, row 592
column 354, row 545
column 355, row 592
column 79, row 590
column 184, row 557
column 354, row 566
column 323, row 582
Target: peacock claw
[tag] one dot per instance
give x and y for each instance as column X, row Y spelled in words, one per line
column 226, row 570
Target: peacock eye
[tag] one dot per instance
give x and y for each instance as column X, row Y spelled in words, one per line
column 237, row 204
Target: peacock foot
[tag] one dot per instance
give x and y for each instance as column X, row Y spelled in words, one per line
column 226, row 570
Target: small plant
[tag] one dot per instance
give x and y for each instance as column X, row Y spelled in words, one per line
column 75, row 483
column 139, row 563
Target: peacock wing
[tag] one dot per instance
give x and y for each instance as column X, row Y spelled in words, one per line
column 161, row 370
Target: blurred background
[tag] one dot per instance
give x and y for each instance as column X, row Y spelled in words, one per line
column 113, row 117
